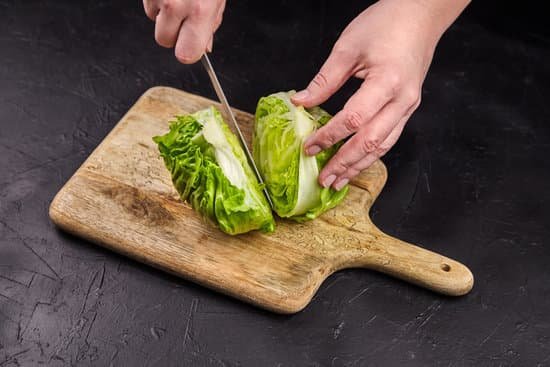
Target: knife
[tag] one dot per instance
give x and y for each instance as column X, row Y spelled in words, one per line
column 229, row 113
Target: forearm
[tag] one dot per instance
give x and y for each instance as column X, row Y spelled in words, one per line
column 441, row 13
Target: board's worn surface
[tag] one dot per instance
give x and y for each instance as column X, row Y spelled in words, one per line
column 123, row 199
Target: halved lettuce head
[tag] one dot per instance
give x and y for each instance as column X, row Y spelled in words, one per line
column 210, row 171
column 290, row 175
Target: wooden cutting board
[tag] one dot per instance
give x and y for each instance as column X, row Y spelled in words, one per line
column 122, row 198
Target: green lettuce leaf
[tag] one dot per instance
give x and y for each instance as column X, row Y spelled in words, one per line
column 210, row 171
column 290, row 175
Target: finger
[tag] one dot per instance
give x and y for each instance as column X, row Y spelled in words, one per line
column 409, row 99
column 194, row 35
column 338, row 68
column 168, row 25
column 219, row 17
column 343, row 180
column 217, row 22
column 151, row 9
column 369, row 159
column 371, row 97
column 366, row 141
column 192, row 43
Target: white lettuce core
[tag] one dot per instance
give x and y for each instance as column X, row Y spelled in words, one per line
column 227, row 160
column 308, row 188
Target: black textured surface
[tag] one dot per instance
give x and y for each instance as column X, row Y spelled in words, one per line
column 469, row 179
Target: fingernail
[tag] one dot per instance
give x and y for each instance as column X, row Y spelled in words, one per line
column 329, row 180
column 340, row 184
column 312, row 150
column 301, row 95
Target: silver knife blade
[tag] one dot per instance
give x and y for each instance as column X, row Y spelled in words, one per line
column 229, row 113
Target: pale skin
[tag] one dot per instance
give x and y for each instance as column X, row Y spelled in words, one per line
column 390, row 46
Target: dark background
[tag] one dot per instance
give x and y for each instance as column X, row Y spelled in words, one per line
column 469, row 178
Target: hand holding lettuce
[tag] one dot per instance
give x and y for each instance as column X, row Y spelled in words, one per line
column 290, row 175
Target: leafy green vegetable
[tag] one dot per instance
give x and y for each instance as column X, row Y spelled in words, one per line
column 290, row 175
column 210, row 171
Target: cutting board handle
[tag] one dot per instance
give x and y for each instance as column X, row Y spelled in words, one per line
column 414, row 264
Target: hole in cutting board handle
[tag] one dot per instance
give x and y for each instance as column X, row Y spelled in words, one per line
column 445, row 267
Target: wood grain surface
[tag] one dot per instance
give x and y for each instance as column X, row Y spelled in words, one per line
column 122, row 198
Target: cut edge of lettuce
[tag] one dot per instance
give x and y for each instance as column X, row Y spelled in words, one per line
column 291, row 176
column 210, row 171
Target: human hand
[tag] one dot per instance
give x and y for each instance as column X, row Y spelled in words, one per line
column 390, row 45
column 189, row 25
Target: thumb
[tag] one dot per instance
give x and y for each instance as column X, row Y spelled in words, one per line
column 338, row 68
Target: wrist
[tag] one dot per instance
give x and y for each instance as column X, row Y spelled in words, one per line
column 440, row 14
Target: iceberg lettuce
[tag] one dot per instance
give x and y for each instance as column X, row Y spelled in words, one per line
column 210, row 171
column 290, row 175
